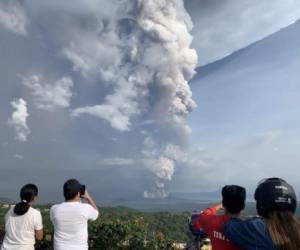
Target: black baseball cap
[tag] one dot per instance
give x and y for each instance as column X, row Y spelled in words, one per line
column 72, row 187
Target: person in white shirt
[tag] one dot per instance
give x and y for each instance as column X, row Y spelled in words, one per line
column 70, row 217
column 23, row 224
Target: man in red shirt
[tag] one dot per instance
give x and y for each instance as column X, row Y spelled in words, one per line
column 233, row 203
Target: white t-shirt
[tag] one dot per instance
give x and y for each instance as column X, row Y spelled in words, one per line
column 70, row 225
column 20, row 229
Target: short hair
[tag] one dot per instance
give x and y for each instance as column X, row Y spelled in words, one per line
column 233, row 198
column 71, row 189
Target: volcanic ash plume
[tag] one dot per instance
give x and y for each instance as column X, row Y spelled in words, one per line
column 150, row 64
column 165, row 50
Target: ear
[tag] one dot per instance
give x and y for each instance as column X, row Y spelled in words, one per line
column 223, row 205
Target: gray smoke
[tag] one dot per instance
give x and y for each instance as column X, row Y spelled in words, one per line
column 154, row 58
column 136, row 53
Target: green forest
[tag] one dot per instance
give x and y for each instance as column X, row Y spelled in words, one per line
column 124, row 228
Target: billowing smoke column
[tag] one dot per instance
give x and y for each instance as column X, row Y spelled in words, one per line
column 164, row 49
column 136, row 53
column 149, row 77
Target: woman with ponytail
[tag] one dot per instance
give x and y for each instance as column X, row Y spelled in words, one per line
column 23, row 224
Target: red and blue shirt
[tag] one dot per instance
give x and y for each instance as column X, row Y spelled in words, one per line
column 212, row 224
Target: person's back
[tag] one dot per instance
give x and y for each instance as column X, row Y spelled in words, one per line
column 276, row 228
column 70, row 218
column 20, row 230
column 70, row 223
column 251, row 234
column 212, row 224
column 23, row 224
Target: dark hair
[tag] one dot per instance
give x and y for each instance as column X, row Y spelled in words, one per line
column 71, row 188
column 234, row 198
column 27, row 194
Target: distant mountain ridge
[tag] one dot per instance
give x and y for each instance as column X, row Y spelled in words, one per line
column 6, row 200
column 277, row 38
column 199, row 196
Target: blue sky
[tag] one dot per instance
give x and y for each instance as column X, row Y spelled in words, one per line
column 97, row 91
column 248, row 111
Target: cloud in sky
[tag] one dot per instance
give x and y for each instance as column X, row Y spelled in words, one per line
column 107, row 112
column 118, row 161
column 249, row 115
column 50, row 96
column 222, row 27
column 239, row 162
column 130, row 63
column 19, row 157
column 18, row 119
column 13, row 17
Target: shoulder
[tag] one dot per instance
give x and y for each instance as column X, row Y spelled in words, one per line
column 257, row 223
column 238, row 223
column 59, row 205
column 53, row 207
column 85, row 206
column 10, row 211
column 34, row 211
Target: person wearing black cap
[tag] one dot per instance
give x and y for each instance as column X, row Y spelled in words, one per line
column 70, row 217
column 276, row 227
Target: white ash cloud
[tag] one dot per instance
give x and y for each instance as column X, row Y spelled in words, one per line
column 150, row 46
column 149, row 49
column 13, row 17
column 161, row 159
column 135, row 54
column 158, row 191
column 18, row 120
column 50, row 96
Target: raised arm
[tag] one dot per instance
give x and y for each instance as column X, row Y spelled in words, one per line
column 90, row 200
column 203, row 219
column 212, row 210
column 92, row 209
